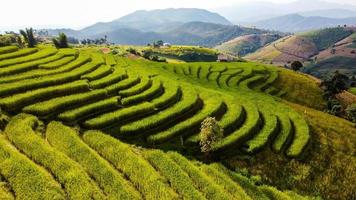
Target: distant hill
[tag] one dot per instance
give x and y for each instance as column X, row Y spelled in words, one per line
column 243, row 45
column 331, row 13
column 299, row 23
column 321, row 51
column 157, row 20
column 184, row 26
column 253, row 11
column 191, row 33
column 208, row 34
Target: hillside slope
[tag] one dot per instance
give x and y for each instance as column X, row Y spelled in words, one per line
column 243, row 45
column 98, row 166
column 321, row 51
column 297, row 23
column 153, row 20
column 161, row 106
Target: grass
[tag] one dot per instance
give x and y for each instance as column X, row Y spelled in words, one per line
column 71, row 175
column 353, row 90
column 66, row 140
column 300, row 88
column 324, row 38
column 18, row 101
column 27, row 180
column 124, row 158
column 179, row 180
column 162, row 105
column 62, row 103
column 89, row 110
column 93, row 165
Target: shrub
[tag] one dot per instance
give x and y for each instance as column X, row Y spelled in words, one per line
column 29, row 37
column 296, row 65
column 7, row 39
column 351, row 112
column 61, row 41
column 210, row 133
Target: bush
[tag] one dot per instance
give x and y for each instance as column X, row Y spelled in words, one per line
column 296, row 65
column 210, row 132
column 61, row 41
column 351, row 112
column 29, row 37
column 7, row 39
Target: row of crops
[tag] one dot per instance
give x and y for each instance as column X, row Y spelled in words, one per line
column 138, row 100
column 55, row 161
column 243, row 75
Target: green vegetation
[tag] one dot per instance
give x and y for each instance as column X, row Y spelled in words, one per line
column 353, row 90
column 185, row 53
column 94, row 165
column 76, row 182
column 61, row 41
column 152, row 105
column 29, row 37
column 324, row 38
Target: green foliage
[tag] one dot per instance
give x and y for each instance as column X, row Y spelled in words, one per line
column 210, row 189
column 155, row 90
column 27, row 180
column 61, row 41
column 29, row 37
column 17, row 101
column 127, row 159
column 244, row 132
column 353, row 90
column 211, row 107
column 162, row 118
column 7, row 40
column 89, row 110
column 77, row 183
column 66, row 140
column 210, row 133
column 351, row 112
column 324, row 38
column 179, row 180
column 58, row 104
column 15, row 54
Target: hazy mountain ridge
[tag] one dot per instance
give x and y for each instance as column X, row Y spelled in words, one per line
column 178, row 26
column 254, row 11
column 299, row 23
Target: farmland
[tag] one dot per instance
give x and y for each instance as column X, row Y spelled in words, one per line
column 146, row 116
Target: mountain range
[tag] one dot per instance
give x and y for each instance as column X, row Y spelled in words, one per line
column 191, row 26
column 253, row 11
column 298, row 23
column 185, row 26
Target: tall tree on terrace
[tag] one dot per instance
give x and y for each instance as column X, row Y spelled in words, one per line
column 61, row 41
column 29, row 37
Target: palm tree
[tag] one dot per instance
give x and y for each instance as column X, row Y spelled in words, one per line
column 61, row 41
column 29, row 37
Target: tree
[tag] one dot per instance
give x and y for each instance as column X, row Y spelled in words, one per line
column 351, row 112
column 29, row 37
column 296, row 65
column 61, row 41
column 210, row 133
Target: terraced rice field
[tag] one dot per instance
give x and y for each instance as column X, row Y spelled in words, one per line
column 55, row 161
column 152, row 104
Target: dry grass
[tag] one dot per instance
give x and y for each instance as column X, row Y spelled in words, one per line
column 300, row 89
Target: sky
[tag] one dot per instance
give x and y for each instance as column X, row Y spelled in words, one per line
column 81, row 13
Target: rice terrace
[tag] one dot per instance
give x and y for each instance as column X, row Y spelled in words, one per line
column 155, row 107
